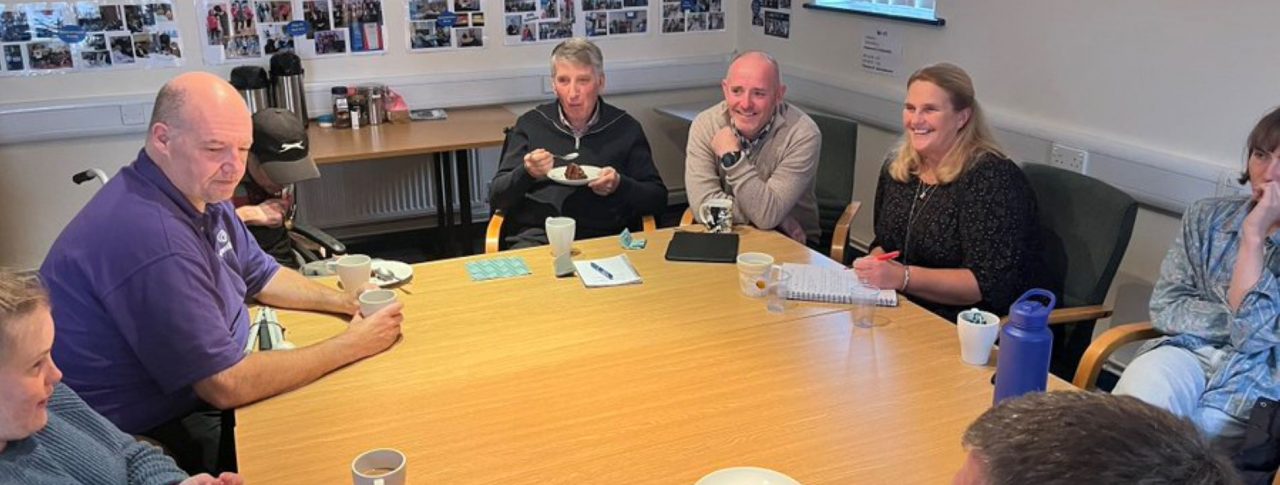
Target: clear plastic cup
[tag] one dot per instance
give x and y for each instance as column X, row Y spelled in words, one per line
column 776, row 290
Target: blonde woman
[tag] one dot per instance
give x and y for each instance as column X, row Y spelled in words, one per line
column 961, row 215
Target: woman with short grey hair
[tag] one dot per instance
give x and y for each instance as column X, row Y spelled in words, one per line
column 578, row 51
column 616, row 184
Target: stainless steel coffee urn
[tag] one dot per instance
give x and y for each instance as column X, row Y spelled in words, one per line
column 286, row 76
column 252, row 83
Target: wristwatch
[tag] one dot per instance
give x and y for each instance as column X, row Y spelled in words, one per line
column 727, row 160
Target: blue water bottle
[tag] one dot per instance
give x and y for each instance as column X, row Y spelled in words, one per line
column 1025, row 346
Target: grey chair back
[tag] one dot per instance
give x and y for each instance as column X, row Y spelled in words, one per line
column 834, row 186
column 1085, row 225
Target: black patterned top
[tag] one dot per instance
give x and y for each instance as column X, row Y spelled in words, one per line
column 984, row 221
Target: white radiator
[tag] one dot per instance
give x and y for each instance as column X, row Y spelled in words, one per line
column 376, row 191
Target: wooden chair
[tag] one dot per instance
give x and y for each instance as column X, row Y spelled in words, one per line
column 493, row 234
column 1101, row 349
column 839, row 234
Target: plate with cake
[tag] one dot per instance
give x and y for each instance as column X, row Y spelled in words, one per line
column 574, row 174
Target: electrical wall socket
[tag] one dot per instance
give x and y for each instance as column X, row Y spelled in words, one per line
column 1069, row 158
column 135, row 113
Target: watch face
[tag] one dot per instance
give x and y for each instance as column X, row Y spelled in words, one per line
column 729, row 159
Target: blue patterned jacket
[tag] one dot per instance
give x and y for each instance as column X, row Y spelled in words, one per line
column 1190, row 304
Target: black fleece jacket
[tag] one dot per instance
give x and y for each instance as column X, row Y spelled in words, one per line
column 615, row 140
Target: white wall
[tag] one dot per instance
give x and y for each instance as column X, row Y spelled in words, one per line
column 1151, row 81
column 397, row 62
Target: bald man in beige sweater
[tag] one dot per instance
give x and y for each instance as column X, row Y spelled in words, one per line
column 758, row 151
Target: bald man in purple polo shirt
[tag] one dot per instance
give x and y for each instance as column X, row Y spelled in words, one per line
column 149, row 284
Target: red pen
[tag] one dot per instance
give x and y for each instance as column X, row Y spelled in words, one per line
column 887, row 256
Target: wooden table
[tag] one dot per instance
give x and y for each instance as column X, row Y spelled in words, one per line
column 540, row 380
column 464, row 130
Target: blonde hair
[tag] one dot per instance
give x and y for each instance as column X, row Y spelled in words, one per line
column 19, row 297
column 973, row 140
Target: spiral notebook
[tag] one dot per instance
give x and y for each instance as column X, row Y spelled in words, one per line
column 829, row 285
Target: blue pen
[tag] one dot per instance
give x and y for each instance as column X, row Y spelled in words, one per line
column 601, row 270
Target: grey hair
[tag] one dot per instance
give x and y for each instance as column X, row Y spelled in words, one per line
column 19, row 296
column 1071, row 437
column 578, row 51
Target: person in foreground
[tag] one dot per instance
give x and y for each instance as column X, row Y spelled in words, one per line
column 758, row 151
column 578, row 121
column 961, row 214
column 47, row 434
column 1075, row 437
column 149, row 284
column 1218, row 300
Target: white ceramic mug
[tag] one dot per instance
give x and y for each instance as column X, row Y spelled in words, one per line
column 753, row 273
column 717, row 215
column 977, row 339
column 373, row 300
column 560, row 234
column 354, row 270
column 383, row 466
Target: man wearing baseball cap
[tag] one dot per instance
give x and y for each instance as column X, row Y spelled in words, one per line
column 281, row 155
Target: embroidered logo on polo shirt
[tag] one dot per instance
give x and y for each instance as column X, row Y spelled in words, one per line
column 224, row 243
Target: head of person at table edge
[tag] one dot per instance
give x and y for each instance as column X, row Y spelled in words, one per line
column 29, row 379
column 577, row 75
column 1076, row 437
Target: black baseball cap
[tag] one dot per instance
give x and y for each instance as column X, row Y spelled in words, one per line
column 281, row 147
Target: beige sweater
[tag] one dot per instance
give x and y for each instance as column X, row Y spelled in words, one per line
column 773, row 187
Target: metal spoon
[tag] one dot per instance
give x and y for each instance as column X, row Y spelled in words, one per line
column 568, row 158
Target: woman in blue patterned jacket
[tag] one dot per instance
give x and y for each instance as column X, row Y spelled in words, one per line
column 1218, row 299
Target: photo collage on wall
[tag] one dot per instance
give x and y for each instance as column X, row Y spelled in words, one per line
column 773, row 15
column 42, row 38
column 613, row 18
column 532, row 21
column 692, row 16
column 252, row 29
column 436, row 25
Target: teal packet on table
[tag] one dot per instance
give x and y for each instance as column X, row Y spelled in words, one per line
column 630, row 242
column 497, row 268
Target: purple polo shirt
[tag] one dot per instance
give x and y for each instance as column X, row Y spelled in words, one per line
column 149, row 296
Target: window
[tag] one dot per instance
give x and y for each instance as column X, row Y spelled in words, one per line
column 910, row 10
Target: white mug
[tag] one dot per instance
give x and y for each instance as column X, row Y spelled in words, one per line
column 560, row 234
column 373, row 300
column 753, row 269
column 354, row 271
column 976, row 339
column 383, row 466
column 717, row 215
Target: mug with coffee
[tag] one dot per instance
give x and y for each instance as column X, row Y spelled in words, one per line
column 717, row 215
column 383, row 466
